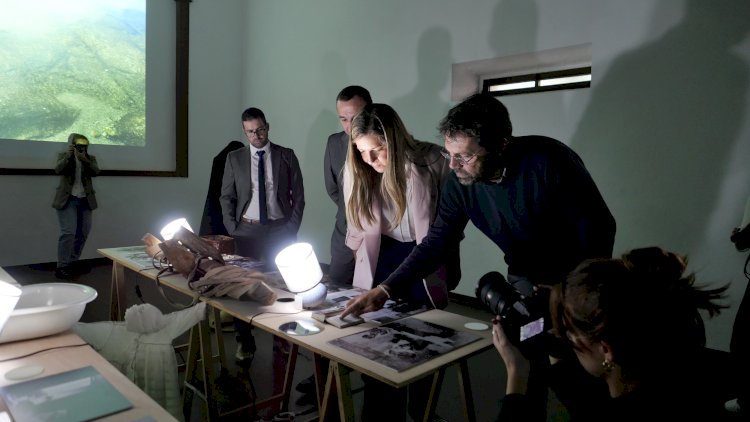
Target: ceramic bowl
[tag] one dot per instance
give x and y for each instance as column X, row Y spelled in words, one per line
column 45, row 309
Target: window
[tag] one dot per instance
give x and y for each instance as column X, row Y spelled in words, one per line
column 528, row 69
column 539, row 82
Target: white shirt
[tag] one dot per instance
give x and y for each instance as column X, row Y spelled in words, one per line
column 77, row 189
column 273, row 208
column 404, row 232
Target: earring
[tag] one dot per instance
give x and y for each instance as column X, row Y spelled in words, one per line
column 608, row 366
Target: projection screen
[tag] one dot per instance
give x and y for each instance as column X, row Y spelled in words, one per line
column 109, row 69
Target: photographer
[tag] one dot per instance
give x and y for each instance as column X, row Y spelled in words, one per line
column 531, row 195
column 75, row 200
column 634, row 323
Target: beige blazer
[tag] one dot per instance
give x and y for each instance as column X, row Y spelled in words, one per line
column 426, row 180
column 366, row 242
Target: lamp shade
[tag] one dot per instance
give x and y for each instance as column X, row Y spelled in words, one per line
column 299, row 267
column 9, row 295
column 170, row 229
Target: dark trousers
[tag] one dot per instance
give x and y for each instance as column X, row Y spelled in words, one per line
column 263, row 242
column 75, row 225
column 341, row 268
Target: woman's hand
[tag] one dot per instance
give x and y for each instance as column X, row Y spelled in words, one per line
column 517, row 366
column 366, row 302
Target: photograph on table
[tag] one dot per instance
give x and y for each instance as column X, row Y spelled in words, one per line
column 405, row 343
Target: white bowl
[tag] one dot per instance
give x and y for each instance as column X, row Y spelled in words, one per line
column 45, row 309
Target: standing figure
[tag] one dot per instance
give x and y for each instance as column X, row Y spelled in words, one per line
column 392, row 185
column 262, row 200
column 262, row 218
column 530, row 195
column 75, row 200
column 349, row 102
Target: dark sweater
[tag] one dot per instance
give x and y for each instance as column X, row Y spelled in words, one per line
column 546, row 215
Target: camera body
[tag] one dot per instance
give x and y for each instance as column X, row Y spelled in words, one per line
column 81, row 148
column 524, row 315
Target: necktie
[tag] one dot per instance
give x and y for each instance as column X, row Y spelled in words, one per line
column 262, row 188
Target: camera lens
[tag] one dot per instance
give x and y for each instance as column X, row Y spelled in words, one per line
column 496, row 293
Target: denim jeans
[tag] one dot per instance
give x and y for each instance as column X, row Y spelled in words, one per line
column 75, row 225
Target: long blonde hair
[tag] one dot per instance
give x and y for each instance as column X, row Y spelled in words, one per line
column 383, row 123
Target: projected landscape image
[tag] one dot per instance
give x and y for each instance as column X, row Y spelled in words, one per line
column 73, row 66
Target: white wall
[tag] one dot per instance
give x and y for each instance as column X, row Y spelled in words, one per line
column 664, row 129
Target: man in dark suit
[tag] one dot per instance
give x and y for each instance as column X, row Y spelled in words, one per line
column 262, row 200
column 261, row 232
column 349, row 102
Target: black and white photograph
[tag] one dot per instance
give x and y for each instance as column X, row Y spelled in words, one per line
column 393, row 311
column 405, row 343
column 139, row 255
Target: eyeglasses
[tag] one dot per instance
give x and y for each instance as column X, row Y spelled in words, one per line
column 462, row 161
column 259, row 131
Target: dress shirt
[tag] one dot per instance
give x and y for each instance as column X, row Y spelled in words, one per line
column 253, row 210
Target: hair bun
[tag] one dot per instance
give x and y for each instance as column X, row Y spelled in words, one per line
column 655, row 262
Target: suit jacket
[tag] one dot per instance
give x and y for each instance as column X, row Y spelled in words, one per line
column 333, row 175
column 236, row 188
column 66, row 168
column 429, row 170
column 212, row 222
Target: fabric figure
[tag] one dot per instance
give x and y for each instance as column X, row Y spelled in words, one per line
column 141, row 348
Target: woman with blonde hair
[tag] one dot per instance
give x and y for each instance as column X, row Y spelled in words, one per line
column 392, row 185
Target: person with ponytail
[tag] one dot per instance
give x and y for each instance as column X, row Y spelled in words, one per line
column 635, row 323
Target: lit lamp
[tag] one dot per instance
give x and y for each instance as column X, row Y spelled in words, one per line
column 170, row 229
column 9, row 295
column 301, row 271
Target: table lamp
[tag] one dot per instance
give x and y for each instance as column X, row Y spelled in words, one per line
column 301, row 271
column 9, row 295
column 171, row 228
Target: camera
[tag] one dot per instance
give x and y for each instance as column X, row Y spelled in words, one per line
column 81, row 148
column 523, row 312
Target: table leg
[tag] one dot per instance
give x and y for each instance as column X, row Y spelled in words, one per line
column 191, row 363
column 334, row 380
column 207, row 365
column 200, row 349
column 280, row 402
column 467, row 397
column 432, row 399
column 291, row 364
column 319, row 365
column 219, row 337
column 117, row 293
column 344, row 391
